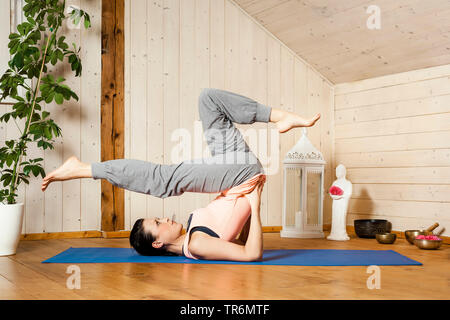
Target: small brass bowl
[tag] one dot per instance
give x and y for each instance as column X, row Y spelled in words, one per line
column 428, row 244
column 410, row 235
column 386, row 238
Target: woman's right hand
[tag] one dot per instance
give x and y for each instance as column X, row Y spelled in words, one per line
column 254, row 197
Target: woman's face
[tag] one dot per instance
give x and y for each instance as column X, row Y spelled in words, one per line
column 163, row 229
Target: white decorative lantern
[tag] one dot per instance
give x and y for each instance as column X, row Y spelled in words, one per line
column 303, row 191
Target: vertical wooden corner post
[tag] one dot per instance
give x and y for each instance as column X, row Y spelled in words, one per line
column 112, row 108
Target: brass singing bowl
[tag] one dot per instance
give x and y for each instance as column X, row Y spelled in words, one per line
column 428, row 244
column 410, row 235
column 386, row 238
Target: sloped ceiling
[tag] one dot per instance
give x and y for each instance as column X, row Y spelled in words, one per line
column 334, row 37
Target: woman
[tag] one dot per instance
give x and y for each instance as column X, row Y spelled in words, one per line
column 211, row 231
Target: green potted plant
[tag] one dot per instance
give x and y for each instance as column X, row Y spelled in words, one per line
column 27, row 83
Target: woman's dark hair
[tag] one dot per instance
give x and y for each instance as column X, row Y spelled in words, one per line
column 142, row 240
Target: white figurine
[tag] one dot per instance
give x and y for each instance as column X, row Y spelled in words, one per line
column 340, row 205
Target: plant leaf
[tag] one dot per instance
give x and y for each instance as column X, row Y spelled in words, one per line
column 59, row 98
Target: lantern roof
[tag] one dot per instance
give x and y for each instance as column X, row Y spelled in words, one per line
column 304, row 152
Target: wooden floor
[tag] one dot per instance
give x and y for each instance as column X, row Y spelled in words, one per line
column 23, row 276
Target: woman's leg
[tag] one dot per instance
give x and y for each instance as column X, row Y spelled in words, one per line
column 159, row 180
column 167, row 180
column 219, row 110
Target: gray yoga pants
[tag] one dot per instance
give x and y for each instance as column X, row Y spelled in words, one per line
column 232, row 162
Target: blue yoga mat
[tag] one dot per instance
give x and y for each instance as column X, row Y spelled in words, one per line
column 291, row 257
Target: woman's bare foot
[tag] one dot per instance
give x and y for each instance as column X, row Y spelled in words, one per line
column 291, row 120
column 71, row 169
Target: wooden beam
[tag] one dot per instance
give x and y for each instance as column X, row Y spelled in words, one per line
column 112, row 109
column 103, row 234
column 61, row 235
column 126, row 234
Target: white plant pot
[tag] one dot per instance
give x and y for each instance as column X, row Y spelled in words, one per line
column 11, row 217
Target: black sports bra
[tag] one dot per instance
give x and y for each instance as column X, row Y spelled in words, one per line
column 199, row 228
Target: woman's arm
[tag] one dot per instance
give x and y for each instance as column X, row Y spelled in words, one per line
column 254, row 243
column 210, row 248
column 242, row 239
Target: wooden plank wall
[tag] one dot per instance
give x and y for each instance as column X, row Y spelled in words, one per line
column 393, row 135
column 175, row 48
column 391, row 132
column 70, row 205
column 333, row 35
column 173, row 40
